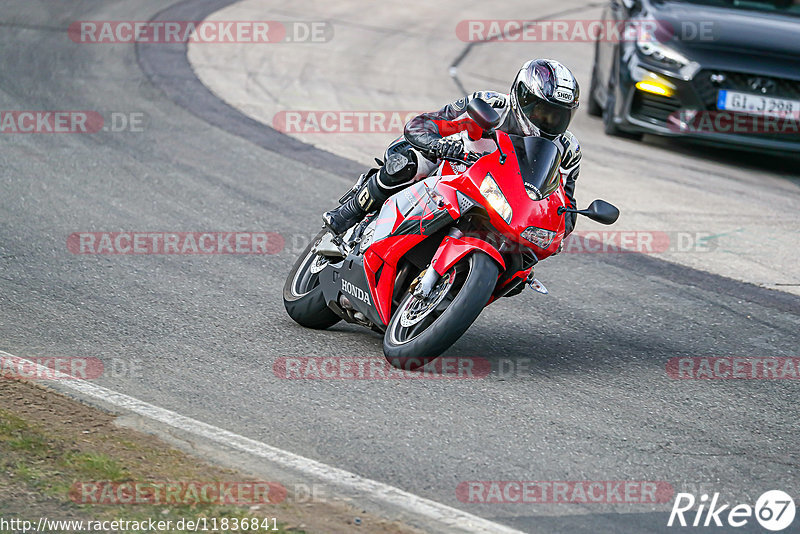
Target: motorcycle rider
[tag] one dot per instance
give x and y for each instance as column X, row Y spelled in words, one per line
column 542, row 102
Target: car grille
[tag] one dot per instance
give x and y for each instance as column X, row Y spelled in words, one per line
column 655, row 108
column 739, row 81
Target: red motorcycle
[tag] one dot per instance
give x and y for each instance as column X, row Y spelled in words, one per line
column 421, row 269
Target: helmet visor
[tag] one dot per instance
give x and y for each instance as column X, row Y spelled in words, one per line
column 549, row 118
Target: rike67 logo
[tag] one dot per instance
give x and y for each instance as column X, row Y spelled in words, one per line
column 774, row 511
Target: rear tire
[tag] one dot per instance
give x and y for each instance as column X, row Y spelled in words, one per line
column 302, row 294
column 472, row 282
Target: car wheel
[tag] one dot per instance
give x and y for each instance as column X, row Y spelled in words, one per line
column 609, row 125
column 595, row 109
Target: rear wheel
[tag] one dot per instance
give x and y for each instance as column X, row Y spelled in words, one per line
column 421, row 329
column 302, row 294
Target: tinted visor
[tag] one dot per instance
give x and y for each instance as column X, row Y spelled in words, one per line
column 551, row 119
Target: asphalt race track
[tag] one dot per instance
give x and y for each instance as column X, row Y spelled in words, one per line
column 579, row 388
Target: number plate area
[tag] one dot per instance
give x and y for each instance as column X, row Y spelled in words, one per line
column 752, row 104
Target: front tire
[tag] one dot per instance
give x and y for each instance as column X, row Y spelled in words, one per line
column 302, row 294
column 417, row 335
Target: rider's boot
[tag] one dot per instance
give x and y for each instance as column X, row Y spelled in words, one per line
column 367, row 198
column 379, row 184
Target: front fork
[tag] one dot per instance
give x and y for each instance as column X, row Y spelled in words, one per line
column 423, row 287
column 431, row 276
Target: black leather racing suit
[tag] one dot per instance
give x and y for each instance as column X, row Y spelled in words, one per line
column 409, row 158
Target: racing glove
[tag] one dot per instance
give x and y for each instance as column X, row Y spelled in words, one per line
column 447, row 148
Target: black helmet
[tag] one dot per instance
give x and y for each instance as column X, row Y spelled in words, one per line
column 544, row 98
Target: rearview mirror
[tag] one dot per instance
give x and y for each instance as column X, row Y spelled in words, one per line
column 483, row 114
column 602, row 212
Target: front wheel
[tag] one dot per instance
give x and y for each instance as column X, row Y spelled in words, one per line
column 421, row 329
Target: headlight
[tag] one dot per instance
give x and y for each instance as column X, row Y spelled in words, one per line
column 539, row 236
column 657, row 52
column 491, row 192
column 533, row 194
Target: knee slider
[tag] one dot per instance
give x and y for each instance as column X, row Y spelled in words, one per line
column 400, row 167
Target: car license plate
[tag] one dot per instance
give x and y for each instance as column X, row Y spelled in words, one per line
column 753, row 104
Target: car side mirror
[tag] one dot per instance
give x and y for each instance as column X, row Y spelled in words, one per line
column 483, row 114
column 602, row 212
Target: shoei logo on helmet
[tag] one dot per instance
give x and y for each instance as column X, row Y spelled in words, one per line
column 563, row 95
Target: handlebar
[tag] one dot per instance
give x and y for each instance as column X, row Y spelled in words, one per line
column 472, row 157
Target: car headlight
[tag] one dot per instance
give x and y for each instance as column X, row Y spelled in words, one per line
column 539, row 236
column 491, row 192
column 657, row 52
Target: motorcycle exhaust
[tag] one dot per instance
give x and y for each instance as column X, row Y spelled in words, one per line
column 357, row 316
column 345, row 303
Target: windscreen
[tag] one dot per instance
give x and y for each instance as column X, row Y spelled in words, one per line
column 538, row 160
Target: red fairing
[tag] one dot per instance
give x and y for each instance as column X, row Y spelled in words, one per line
column 519, row 275
column 403, row 221
column 452, row 250
column 383, row 256
column 382, row 288
column 525, row 212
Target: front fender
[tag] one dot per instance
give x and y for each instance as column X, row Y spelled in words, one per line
column 452, row 249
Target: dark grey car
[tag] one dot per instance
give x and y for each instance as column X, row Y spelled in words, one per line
column 717, row 71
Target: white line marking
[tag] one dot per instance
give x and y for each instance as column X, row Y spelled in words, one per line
column 409, row 502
